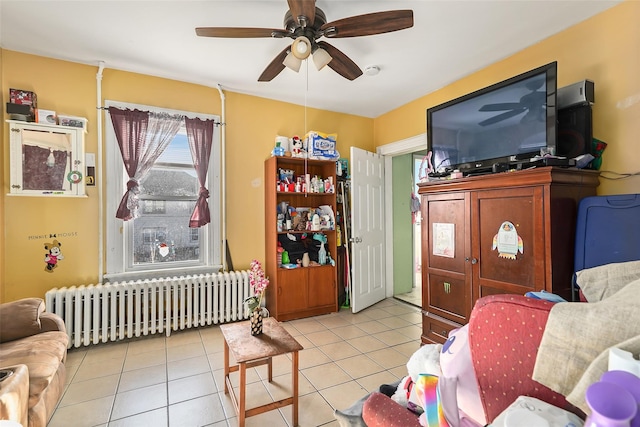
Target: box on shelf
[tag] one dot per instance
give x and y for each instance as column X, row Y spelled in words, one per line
column 24, row 97
column 19, row 109
column 22, row 118
column 321, row 145
column 46, row 116
column 72, row 121
column 21, row 112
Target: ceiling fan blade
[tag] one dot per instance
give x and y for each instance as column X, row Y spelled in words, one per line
column 501, row 117
column 534, row 85
column 340, row 63
column 303, row 8
column 534, row 99
column 534, row 115
column 502, row 106
column 232, row 32
column 369, row 24
column 275, row 66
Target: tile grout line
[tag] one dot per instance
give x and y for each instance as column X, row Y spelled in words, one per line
column 320, row 325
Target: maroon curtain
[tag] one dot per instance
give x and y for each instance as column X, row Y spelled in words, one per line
column 142, row 137
column 200, row 136
column 130, row 127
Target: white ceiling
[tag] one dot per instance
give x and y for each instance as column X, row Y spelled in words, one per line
column 450, row 39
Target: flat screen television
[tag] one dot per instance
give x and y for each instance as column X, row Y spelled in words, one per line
column 506, row 122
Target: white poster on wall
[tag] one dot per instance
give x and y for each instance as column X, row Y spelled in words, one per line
column 444, row 239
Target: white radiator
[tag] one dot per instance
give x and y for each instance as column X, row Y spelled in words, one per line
column 114, row 311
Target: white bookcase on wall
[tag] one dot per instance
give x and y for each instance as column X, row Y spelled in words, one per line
column 46, row 160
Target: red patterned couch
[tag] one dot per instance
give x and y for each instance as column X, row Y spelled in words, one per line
column 504, row 334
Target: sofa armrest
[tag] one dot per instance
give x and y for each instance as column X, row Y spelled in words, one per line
column 14, row 394
column 504, row 335
column 380, row 410
column 51, row 322
column 21, row 318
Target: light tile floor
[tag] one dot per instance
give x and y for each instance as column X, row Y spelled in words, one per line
column 414, row 297
column 178, row 380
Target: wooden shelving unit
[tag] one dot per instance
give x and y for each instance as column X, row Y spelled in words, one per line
column 304, row 291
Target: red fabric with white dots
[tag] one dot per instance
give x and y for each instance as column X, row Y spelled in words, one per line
column 381, row 411
column 504, row 335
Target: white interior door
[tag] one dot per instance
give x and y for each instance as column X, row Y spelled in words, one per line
column 367, row 229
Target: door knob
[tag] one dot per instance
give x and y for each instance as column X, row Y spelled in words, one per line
column 356, row 240
column 474, row 261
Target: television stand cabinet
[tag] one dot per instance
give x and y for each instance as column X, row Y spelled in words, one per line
column 510, row 232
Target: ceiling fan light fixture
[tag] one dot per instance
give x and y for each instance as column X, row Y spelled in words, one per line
column 291, row 62
column 321, row 58
column 301, row 48
column 305, row 23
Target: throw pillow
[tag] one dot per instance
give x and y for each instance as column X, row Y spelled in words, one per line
column 576, row 333
column 601, row 282
column 21, row 318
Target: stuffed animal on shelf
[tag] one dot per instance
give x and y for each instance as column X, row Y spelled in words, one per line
column 297, row 148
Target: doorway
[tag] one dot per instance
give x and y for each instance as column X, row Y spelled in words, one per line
column 414, row 144
column 407, row 244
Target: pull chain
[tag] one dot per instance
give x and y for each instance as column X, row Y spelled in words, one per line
column 305, row 122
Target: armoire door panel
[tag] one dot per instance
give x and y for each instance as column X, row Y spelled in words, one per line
column 448, row 297
column 446, row 231
column 486, row 289
column 510, row 237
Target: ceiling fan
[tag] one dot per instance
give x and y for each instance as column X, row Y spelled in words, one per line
column 534, row 103
column 305, row 24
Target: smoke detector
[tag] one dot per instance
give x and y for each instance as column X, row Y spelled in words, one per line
column 372, row 70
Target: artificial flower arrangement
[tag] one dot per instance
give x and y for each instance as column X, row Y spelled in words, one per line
column 258, row 283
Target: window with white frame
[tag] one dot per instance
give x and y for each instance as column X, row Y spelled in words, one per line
column 159, row 241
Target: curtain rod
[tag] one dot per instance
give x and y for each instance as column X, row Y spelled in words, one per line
column 107, row 108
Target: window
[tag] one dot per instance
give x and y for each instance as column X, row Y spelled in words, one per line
column 153, row 206
column 159, row 242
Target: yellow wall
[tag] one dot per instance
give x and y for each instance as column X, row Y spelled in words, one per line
column 3, row 136
column 252, row 124
column 70, row 88
column 605, row 49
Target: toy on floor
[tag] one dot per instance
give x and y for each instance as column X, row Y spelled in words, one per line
column 457, row 396
column 426, row 360
column 457, row 384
